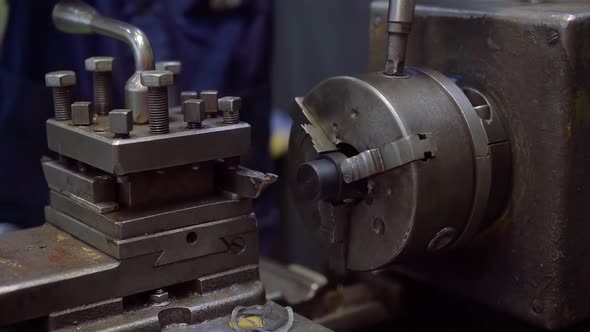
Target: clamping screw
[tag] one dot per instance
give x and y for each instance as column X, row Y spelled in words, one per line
column 62, row 83
column 82, row 113
column 210, row 99
column 194, row 112
column 186, row 95
column 102, row 72
column 175, row 67
column 230, row 106
column 157, row 82
column 121, row 122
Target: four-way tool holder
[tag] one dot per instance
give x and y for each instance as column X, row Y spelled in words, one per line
column 148, row 224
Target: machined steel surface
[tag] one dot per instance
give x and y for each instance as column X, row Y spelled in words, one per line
column 125, row 223
column 202, row 239
column 300, row 324
column 96, row 146
column 177, row 314
column 157, row 188
column 529, row 59
column 40, row 267
column 91, row 185
column 293, row 284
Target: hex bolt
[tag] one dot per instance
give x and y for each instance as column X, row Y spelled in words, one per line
column 210, row 99
column 186, row 95
column 82, row 113
column 230, row 106
column 194, row 112
column 160, row 297
column 157, row 82
column 175, row 67
column 121, row 122
column 62, row 83
column 102, row 73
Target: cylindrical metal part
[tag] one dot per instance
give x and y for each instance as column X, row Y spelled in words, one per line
column 103, row 92
column 175, row 67
column 158, row 110
column 401, row 11
column 63, row 99
column 395, row 60
column 231, row 117
column 318, row 179
column 399, row 24
column 62, row 83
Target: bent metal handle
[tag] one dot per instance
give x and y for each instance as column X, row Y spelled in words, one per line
column 77, row 17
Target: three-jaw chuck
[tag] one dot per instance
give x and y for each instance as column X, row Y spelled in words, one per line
column 389, row 167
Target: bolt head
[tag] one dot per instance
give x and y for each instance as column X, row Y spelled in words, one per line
column 99, row 64
column 159, row 297
column 194, row 110
column 82, row 113
column 60, row 79
column 121, row 121
column 210, row 99
column 186, row 95
column 157, row 78
column 230, row 103
column 175, row 67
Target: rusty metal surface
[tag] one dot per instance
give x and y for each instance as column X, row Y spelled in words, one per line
column 174, row 245
column 187, row 303
column 46, row 270
column 531, row 59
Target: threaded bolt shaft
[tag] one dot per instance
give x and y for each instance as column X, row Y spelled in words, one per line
column 158, row 110
column 230, row 107
column 63, row 99
column 103, row 92
column 230, row 116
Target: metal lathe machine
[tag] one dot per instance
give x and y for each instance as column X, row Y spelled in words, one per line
column 458, row 164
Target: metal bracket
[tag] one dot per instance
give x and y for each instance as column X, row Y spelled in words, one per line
column 389, row 156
